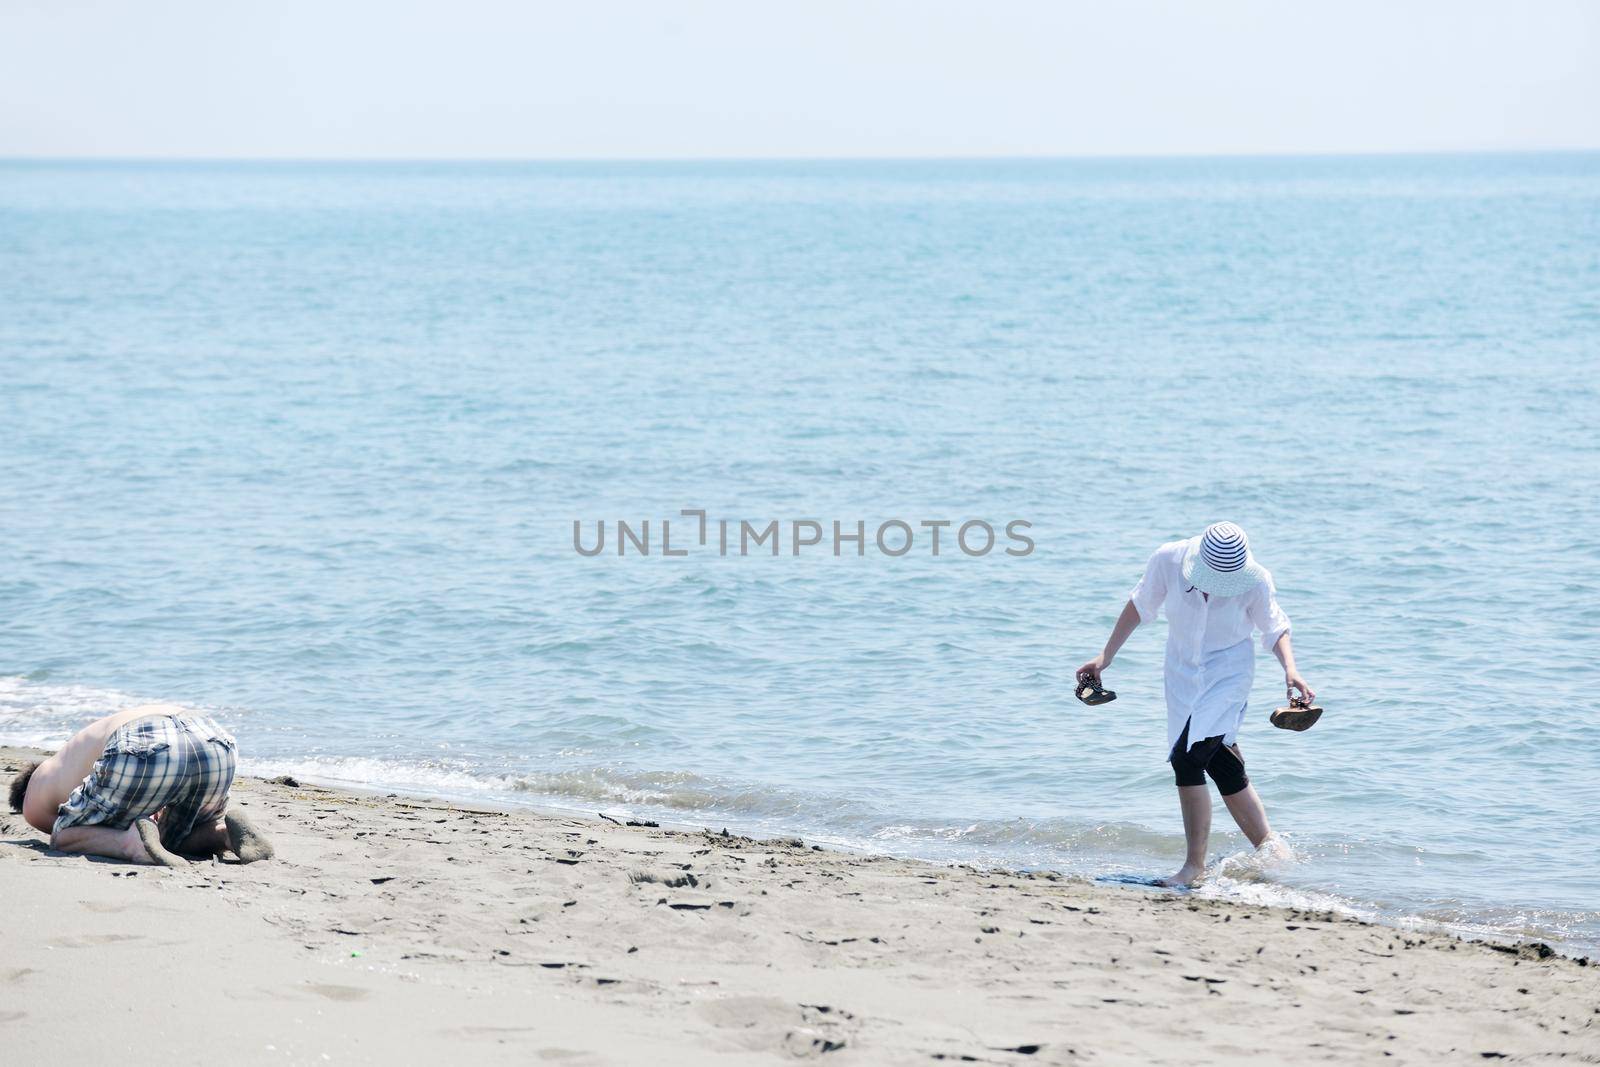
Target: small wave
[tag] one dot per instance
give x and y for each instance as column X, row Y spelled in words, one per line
column 1041, row 837
column 1291, row 874
column 441, row 779
column 1274, row 855
column 674, row 790
column 663, row 792
column 1255, row 876
column 41, row 714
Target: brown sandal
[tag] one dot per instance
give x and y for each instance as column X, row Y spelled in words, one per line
column 1297, row 716
column 1097, row 695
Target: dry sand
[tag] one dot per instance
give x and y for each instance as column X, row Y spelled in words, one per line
column 400, row 930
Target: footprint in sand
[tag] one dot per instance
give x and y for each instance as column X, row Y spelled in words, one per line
column 338, row 992
column 104, row 908
column 91, row 940
column 767, row 1023
column 745, row 1013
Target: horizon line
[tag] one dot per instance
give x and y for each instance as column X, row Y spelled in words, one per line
column 996, row 158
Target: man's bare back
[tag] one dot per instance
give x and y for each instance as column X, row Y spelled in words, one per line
column 59, row 775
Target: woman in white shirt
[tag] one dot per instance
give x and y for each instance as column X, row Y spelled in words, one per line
column 1215, row 596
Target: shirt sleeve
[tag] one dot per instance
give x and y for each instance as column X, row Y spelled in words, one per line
column 1266, row 615
column 1148, row 595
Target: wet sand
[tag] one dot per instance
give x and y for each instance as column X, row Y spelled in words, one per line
column 393, row 929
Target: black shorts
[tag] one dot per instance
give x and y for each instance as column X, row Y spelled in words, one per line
column 1224, row 763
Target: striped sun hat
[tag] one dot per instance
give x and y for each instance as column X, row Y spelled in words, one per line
column 1221, row 564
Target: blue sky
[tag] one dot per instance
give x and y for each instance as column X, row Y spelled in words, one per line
column 615, row 79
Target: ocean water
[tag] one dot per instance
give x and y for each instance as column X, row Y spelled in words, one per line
column 304, row 444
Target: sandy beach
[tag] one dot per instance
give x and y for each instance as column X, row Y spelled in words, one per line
column 395, row 929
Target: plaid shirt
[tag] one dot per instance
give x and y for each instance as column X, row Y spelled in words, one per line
column 181, row 763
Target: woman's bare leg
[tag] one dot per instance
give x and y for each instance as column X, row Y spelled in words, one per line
column 1247, row 810
column 1196, row 803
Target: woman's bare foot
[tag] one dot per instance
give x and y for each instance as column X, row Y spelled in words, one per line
column 246, row 842
column 1188, row 875
column 145, row 846
column 1274, row 848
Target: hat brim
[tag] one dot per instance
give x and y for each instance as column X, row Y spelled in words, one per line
column 1222, row 583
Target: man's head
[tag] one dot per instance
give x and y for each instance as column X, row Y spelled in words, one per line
column 19, row 785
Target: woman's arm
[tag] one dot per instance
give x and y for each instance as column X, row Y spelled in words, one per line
column 1266, row 616
column 1126, row 623
column 1284, row 650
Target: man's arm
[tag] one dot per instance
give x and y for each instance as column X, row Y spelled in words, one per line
column 1127, row 622
column 59, row 775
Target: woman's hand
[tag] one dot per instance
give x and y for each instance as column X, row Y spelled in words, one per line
column 1090, row 672
column 1292, row 680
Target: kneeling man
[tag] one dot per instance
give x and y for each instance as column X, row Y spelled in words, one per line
column 146, row 785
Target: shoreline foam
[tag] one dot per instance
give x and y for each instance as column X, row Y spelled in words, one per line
column 1365, row 875
column 394, row 927
column 1222, row 886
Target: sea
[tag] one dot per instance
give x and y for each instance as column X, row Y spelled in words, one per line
column 517, row 483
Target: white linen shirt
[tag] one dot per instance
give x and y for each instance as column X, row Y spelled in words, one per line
column 1210, row 663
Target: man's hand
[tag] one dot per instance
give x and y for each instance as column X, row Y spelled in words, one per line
column 1090, row 672
column 1292, row 680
